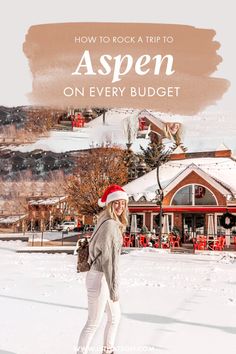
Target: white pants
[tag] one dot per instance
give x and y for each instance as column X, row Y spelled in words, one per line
column 98, row 301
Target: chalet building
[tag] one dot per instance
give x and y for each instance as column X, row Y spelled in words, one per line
column 45, row 213
column 13, row 223
column 198, row 188
column 157, row 128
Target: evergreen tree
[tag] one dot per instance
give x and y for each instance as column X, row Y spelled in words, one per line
column 151, row 154
column 136, row 166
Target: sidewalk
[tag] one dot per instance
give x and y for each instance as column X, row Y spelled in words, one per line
column 37, row 236
column 14, row 236
column 47, row 249
column 61, row 249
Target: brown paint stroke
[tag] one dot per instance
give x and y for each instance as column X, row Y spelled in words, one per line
column 53, row 55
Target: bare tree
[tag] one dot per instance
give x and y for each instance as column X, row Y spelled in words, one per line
column 96, row 170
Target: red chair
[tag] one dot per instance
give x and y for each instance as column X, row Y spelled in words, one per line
column 201, row 243
column 223, row 240
column 219, row 244
column 143, row 241
column 201, row 246
column 165, row 244
column 127, row 241
column 194, row 243
column 174, row 241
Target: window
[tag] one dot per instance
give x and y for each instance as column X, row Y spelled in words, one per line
column 194, row 194
column 155, row 220
column 220, row 229
column 140, row 220
column 183, row 196
column 203, row 196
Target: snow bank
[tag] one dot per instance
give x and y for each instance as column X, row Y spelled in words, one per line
column 171, row 303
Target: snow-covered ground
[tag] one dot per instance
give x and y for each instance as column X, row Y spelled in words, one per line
column 92, row 135
column 86, row 138
column 171, row 303
column 38, row 236
column 204, row 132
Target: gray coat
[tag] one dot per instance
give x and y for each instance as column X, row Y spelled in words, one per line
column 108, row 241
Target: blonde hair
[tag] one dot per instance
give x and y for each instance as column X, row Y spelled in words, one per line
column 122, row 219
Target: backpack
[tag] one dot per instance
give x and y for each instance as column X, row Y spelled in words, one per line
column 83, row 253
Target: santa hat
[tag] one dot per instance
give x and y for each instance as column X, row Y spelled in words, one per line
column 113, row 192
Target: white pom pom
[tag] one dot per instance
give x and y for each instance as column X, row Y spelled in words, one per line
column 100, row 203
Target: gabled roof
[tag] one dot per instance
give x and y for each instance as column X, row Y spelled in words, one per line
column 222, row 147
column 178, row 150
column 47, row 201
column 152, row 118
column 220, row 172
column 193, row 168
column 12, row 219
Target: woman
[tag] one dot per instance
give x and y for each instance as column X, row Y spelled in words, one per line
column 102, row 281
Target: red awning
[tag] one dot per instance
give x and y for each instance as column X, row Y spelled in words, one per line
column 183, row 209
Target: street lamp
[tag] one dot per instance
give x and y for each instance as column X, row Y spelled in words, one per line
column 130, row 129
column 162, row 158
column 159, row 197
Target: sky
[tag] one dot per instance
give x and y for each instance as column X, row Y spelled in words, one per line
column 19, row 16
column 16, row 81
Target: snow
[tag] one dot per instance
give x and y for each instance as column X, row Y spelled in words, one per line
column 178, row 150
column 47, row 201
column 205, row 131
column 53, row 235
column 11, row 219
column 113, row 117
column 171, row 303
column 86, row 138
column 222, row 147
column 94, row 134
column 58, row 141
column 217, row 127
column 222, row 169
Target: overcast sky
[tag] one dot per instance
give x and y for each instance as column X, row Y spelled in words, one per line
column 18, row 16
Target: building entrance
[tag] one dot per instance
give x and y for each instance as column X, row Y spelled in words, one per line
column 193, row 225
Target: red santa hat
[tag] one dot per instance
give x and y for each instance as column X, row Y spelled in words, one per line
column 113, row 192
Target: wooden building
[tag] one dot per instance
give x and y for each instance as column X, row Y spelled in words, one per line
column 13, row 223
column 45, row 213
column 198, row 188
column 157, row 128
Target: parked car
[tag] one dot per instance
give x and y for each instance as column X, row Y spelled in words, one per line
column 88, row 227
column 79, row 229
column 67, row 226
column 84, row 228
